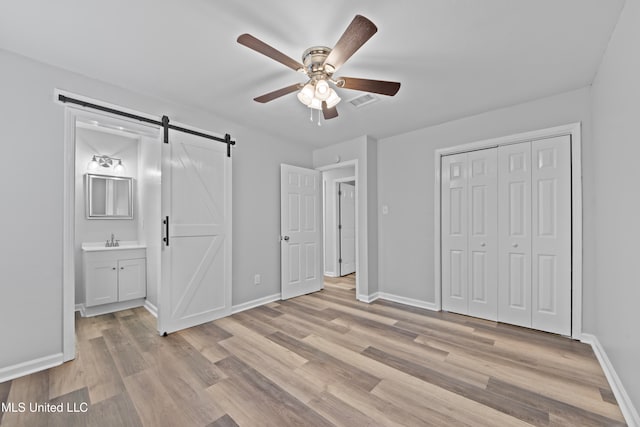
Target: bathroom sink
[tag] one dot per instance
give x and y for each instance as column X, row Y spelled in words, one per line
column 100, row 246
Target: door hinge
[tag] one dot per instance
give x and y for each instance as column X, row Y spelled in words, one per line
column 340, row 261
column 339, row 226
column 339, row 193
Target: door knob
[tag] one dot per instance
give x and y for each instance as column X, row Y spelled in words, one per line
column 285, row 238
column 515, row 245
column 483, row 244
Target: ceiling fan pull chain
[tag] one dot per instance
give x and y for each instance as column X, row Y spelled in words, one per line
column 310, row 114
column 319, row 124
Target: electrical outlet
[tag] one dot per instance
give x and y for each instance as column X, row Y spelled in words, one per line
column 256, row 279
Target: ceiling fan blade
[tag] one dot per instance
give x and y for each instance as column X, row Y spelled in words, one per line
column 329, row 113
column 277, row 93
column 375, row 86
column 261, row 47
column 357, row 33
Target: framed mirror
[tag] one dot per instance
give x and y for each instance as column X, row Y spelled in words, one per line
column 109, row 197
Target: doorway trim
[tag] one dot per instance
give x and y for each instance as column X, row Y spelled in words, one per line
column 574, row 131
column 71, row 115
column 341, row 165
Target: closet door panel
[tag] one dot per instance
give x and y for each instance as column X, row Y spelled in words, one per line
column 483, row 241
column 454, row 233
column 551, row 232
column 514, row 234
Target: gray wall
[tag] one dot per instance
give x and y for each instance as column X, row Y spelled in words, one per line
column 406, row 177
column 615, row 200
column 31, row 185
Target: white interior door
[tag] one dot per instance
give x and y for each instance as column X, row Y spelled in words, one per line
column 347, row 228
column 483, row 233
column 301, row 231
column 454, row 233
column 196, row 259
column 514, row 217
column 551, row 244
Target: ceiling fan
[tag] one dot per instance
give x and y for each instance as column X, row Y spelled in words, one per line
column 319, row 63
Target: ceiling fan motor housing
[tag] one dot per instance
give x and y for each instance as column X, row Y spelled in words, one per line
column 313, row 60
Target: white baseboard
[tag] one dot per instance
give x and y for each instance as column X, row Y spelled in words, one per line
column 624, row 400
column 80, row 308
column 98, row 310
column 330, row 274
column 29, row 367
column 151, row 308
column 408, row 301
column 369, row 298
column 255, row 303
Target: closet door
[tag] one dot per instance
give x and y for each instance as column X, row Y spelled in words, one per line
column 483, row 229
column 551, row 229
column 514, row 234
column 454, row 233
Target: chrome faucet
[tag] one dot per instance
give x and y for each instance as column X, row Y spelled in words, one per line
column 111, row 243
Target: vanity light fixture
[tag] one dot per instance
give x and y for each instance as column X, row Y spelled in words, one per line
column 105, row 162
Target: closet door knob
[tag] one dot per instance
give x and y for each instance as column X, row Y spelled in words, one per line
column 483, row 244
column 515, row 245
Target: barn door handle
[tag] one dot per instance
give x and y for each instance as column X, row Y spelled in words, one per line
column 165, row 239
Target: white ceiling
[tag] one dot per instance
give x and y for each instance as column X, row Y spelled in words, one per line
column 454, row 57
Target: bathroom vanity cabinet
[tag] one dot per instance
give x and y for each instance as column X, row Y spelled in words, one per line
column 114, row 275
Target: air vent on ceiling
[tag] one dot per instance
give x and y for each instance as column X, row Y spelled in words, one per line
column 363, row 100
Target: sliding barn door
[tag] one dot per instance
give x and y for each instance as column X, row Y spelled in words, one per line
column 514, row 217
column 301, row 232
column 551, row 244
column 196, row 256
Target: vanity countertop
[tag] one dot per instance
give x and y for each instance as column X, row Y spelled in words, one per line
column 100, row 246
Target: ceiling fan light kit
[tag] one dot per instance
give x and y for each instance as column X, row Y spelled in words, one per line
column 319, row 63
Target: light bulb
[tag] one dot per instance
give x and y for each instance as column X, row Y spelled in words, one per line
column 119, row 168
column 333, row 99
column 316, row 104
column 306, row 94
column 93, row 164
column 323, row 90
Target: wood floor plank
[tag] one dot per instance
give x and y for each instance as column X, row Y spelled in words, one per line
column 320, row 359
column 153, row 403
column 272, row 368
column 102, row 375
column 67, row 377
column 73, row 414
column 552, row 406
column 340, row 413
column 118, row 410
column 452, row 408
column 285, row 355
column 275, row 401
column 559, row 389
column 334, row 369
column 224, row 421
column 31, row 389
column 125, row 355
column 496, row 401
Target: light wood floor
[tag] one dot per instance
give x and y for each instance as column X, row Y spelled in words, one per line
column 320, row 360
